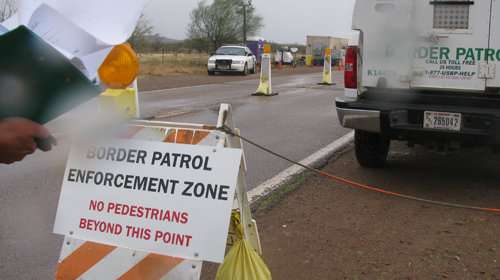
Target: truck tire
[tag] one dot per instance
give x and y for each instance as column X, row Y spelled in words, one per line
column 371, row 149
column 211, row 73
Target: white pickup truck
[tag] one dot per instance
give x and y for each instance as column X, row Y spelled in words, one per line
column 423, row 71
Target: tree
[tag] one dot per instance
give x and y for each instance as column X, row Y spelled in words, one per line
column 221, row 23
column 7, row 9
column 143, row 30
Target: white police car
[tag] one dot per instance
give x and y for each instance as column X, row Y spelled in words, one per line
column 232, row 58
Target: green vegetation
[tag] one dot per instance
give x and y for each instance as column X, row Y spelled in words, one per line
column 221, row 22
column 7, row 9
column 173, row 63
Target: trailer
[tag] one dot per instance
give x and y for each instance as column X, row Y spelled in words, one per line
column 316, row 46
column 256, row 45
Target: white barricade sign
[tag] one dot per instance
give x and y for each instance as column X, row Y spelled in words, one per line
column 163, row 198
column 81, row 259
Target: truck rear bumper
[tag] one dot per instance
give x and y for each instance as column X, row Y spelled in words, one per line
column 368, row 120
column 401, row 116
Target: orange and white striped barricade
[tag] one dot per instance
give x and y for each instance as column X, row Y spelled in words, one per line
column 89, row 260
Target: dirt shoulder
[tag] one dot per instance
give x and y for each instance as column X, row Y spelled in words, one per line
column 151, row 82
column 323, row 230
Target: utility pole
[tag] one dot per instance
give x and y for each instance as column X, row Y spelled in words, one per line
column 245, row 5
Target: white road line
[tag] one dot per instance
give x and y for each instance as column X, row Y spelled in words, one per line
column 288, row 174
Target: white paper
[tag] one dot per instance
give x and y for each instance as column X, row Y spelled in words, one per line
column 84, row 29
column 93, row 61
column 207, row 216
column 110, row 21
column 3, row 30
column 62, row 34
column 11, row 23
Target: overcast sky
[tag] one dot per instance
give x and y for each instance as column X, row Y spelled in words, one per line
column 285, row 21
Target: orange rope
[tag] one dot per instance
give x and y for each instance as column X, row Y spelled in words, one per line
column 400, row 195
column 360, row 185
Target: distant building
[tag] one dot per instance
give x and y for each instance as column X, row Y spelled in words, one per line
column 316, row 46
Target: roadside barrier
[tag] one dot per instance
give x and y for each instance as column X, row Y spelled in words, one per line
column 357, row 185
column 89, row 260
column 327, row 68
column 121, row 101
column 309, row 60
column 265, row 87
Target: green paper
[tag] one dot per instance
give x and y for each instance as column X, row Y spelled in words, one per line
column 36, row 81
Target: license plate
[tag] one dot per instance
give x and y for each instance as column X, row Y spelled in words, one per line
column 223, row 67
column 442, row 120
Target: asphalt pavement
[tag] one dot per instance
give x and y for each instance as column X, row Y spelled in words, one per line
column 297, row 122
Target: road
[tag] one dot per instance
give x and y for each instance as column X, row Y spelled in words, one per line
column 297, row 122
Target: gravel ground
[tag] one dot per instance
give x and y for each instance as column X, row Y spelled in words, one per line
column 323, row 230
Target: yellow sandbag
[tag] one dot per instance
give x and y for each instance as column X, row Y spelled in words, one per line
column 235, row 225
column 243, row 263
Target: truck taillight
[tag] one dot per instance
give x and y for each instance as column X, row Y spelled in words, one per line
column 351, row 67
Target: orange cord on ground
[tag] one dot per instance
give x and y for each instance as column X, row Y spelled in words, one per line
column 360, row 185
column 404, row 196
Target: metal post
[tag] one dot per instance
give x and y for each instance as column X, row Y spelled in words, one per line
column 244, row 24
column 282, row 57
column 246, row 3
